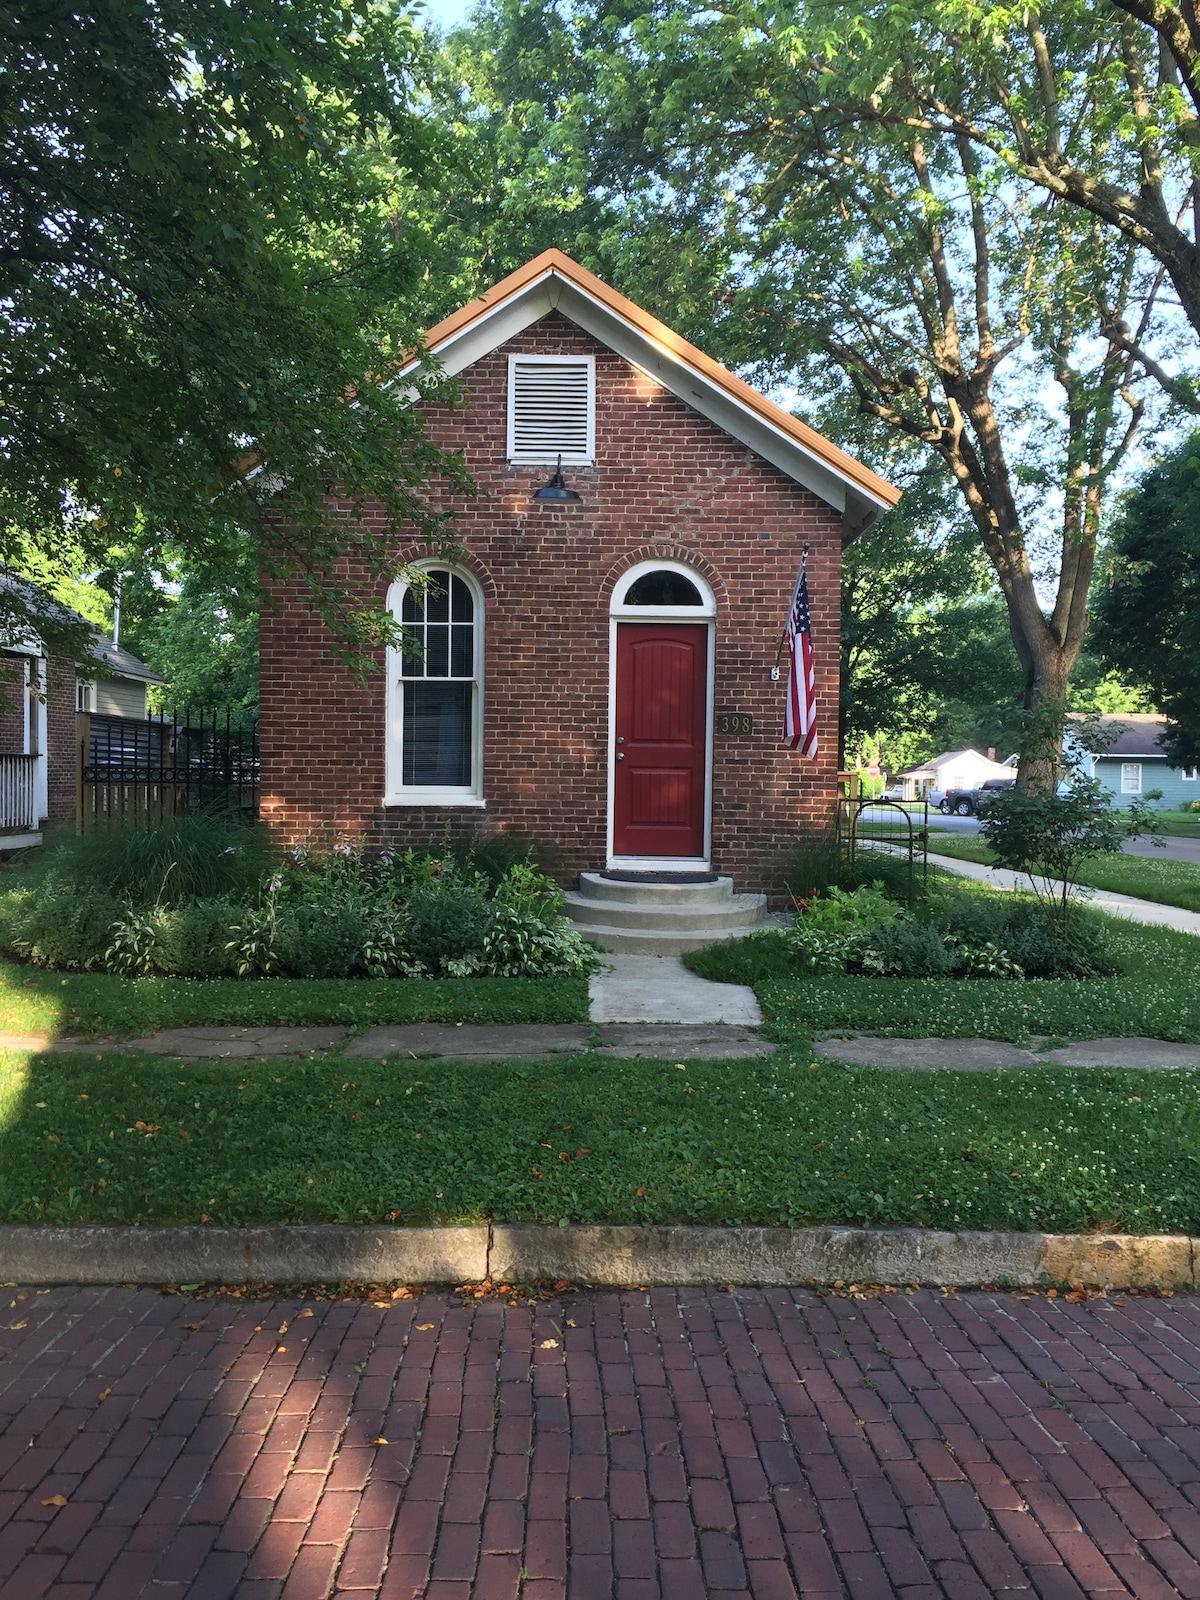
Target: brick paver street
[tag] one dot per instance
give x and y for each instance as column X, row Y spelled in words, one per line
column 670, row 1444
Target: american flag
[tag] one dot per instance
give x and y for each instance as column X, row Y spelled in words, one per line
column 800, row 714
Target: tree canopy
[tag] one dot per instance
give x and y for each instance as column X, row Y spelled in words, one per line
column 207, row 264
column 705, row 160
column 1147, row 620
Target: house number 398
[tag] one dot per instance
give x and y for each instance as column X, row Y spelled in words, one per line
column 735, row 722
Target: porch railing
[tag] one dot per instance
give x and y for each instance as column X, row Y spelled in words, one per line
column 17, row 793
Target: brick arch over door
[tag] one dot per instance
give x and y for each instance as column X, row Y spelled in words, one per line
column 662, row 551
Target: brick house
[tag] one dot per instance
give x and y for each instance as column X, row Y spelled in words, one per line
column 596, row 671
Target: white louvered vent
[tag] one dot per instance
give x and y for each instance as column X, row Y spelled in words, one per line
column 551, row 408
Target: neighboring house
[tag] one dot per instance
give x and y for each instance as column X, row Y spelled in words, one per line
column 953, row 769
column 597, row 669
column 42, row 735
column 1135, row 762
column 119, row 732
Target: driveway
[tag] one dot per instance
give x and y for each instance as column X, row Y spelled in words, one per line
column 645, row 1445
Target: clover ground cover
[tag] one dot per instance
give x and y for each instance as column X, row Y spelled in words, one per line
column 105, row 1138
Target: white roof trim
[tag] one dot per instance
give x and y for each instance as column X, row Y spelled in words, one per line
column 551, row 292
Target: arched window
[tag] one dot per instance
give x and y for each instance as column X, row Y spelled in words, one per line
column 434, row 745
column 656, row 590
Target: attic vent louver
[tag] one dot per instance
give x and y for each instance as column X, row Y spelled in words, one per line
column 551, row 408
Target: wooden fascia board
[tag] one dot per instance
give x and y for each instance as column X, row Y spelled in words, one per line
column 554, row 282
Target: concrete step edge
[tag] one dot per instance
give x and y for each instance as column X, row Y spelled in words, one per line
column 595, row 887
column 603, row 1256
column 629, row 941
column 743, row 911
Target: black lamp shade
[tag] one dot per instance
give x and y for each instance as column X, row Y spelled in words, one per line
column 556, row 491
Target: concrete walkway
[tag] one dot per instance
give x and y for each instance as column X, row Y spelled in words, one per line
column 985, row 1055
column 431, row 1041
column 644, row 1445
column 662, row 989
column 1116, row 905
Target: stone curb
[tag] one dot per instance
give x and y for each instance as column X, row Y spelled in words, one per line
column 605, row 1257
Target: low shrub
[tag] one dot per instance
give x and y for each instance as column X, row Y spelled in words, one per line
column 946, row 935
column 346, row 915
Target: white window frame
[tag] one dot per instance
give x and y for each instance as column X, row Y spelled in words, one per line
column 570, row 458
column 1189, row 774
column 1131, row 777
column 396, row 792
column 85, row 695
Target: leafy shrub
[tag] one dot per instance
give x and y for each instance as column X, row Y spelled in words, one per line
column 518, row 945
column 865, row 907
column 1050, row 836
column 311, row 943
column 134, row 949
column 906, row 949
column 194, row 939
column 326, row 915
column 196, row 856
column 446, row 924
column 62, row 928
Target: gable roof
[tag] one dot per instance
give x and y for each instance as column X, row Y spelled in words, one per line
column 553, row 282
column 1138, row 736
column 948, row 758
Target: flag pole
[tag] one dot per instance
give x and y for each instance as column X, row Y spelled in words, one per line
column 791, row 608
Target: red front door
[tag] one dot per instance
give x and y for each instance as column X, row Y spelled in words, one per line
column 662, row 699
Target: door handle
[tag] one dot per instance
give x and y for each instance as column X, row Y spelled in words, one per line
column 620, row 740
column 620, row 755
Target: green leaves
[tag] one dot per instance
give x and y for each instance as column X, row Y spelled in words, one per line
column 202, row 255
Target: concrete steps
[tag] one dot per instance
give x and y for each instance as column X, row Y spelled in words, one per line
column 661, row 918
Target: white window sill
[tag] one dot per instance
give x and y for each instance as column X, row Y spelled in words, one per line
column 433, row 797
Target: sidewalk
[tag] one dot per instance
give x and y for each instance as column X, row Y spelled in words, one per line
column 1116, row 905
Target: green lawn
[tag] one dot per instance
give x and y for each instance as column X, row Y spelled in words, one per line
column 35, row 1001
column 1170, row 883
column 106, row 1138
column 1157, row 994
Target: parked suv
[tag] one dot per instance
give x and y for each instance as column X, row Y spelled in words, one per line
column 966, row 802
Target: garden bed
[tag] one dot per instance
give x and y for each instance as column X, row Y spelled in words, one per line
column 1156, row 994
column 110, row 1138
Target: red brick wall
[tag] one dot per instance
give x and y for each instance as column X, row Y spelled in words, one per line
column 61, row 746
column 666, row 483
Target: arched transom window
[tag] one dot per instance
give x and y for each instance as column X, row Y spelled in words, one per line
column 434, row 691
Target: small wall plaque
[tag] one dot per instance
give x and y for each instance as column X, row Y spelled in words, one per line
column 737, row 723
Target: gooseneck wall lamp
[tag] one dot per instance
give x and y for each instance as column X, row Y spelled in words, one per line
column 556, row 492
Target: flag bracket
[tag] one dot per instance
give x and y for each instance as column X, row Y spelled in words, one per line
column 775, row 673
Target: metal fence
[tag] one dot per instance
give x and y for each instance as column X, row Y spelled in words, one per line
column 142, row 770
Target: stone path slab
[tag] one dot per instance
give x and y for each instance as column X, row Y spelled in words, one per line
column 434, row 1041
column 661, row 1445
column 225, row 1041
column 465, row 1042
column 662, row 989
column 985, row 1055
